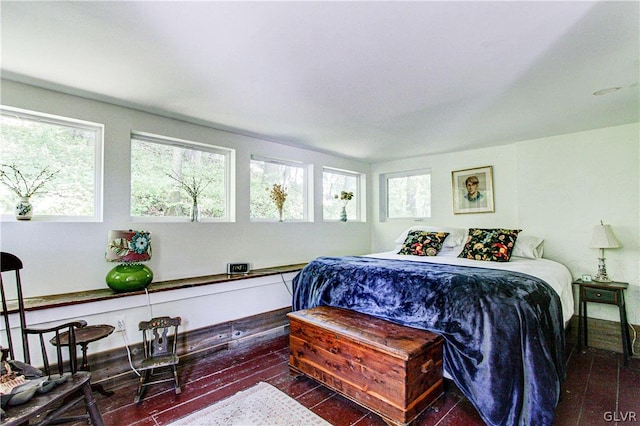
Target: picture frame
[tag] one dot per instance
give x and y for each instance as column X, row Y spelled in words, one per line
column 477, row 196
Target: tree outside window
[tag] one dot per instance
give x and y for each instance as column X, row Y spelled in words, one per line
column 156, row 165
column 408, row 195
column 33, row 142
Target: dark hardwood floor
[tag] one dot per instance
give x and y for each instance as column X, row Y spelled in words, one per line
column 598, row 390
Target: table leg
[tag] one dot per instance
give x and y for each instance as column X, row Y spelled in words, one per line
column 96, row 387
column 582, row 323
column 85, row 365
column 626, row 338
column 579, row 325
column 585, row 326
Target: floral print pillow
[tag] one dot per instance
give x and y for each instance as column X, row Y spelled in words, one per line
column 493, row 245
column 423, row 243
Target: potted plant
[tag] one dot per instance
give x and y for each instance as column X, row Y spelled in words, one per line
column 194, row 186
column 345, row 197
column 24, row 187
column 279, row 196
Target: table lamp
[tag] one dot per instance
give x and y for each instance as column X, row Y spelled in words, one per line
column 130, row 248
column 603, row 238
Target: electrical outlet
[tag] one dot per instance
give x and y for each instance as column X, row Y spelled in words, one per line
column 120, row 324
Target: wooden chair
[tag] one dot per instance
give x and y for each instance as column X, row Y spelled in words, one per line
column 159, row 340
column 65, row 395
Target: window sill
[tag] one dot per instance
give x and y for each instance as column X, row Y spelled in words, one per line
column 11, row 218
column 67, row 299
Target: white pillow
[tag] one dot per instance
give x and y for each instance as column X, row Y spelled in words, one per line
column 528, row 246
column 451, row 251
column 455, row 238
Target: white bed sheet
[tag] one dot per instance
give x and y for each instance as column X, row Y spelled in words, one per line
column 553, row 273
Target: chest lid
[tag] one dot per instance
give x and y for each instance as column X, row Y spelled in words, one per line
column 397, row 340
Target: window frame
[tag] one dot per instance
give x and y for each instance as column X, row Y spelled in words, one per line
column 359, row 196
column 98, row 160
column 307, row 187
column 229, row 175
column 384, row 193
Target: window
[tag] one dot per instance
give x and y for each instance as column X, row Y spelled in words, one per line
column 334, row 182
column 407, row 194
column 159, row 164
column 71, row 149
column 292, row 176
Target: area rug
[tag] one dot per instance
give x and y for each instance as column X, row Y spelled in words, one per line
column 260, row 405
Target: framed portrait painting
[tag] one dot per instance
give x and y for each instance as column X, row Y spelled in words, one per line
column 473, row 190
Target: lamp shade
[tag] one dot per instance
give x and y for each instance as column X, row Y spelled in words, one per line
column 128, row 246
column 604, row 238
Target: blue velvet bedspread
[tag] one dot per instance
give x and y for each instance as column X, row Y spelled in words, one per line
column 504, row 338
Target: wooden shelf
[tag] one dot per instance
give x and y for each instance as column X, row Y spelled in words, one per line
column 88, row 296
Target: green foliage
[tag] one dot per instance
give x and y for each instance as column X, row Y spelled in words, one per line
column 155, row 171
column 264, row 175
column 333, row 184
column 35, row 145
column 409, row 196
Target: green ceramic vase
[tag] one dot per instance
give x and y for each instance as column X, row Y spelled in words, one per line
column 129, row 277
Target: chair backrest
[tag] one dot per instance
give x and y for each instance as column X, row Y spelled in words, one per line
column 53, row 336
column 157, row 337
column 11, row 263
column 65, row 354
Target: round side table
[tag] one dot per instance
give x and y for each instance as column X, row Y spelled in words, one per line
column 84, row 336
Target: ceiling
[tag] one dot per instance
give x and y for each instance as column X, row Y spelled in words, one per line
column 369, row 80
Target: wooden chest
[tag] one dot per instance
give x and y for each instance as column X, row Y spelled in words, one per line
column 392, row 370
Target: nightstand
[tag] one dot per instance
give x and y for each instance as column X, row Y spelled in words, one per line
column 610, row 293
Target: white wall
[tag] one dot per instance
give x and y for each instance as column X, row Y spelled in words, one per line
column 197, row 306
column 503, row 161
column 68, row 257
column 567, row 184
column 557, row 188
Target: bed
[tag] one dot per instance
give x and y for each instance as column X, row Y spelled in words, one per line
column 502, row 321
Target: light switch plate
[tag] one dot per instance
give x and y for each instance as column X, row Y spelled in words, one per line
column 238, row 268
